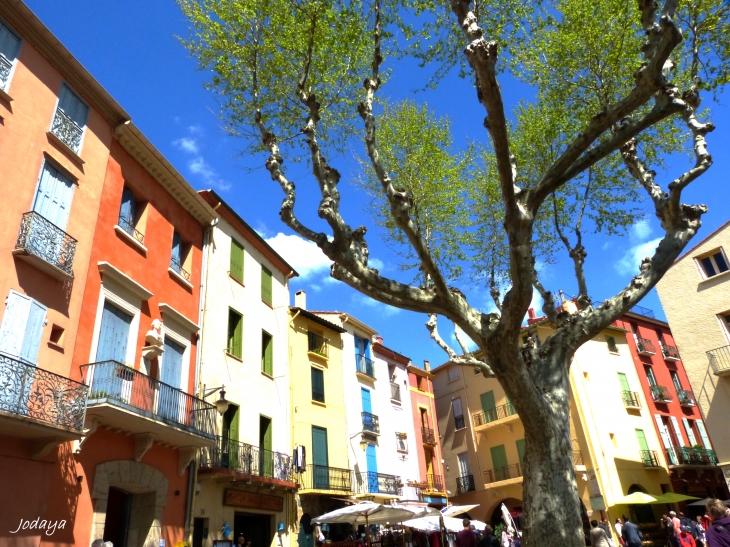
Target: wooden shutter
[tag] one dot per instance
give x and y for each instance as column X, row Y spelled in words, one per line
column 235, row 334
column 172, row 363
column 371, row 459
column 177, row 248
column 15, row 320
column 267, row 353
column 690, row 433
column 266, row 426
column 488, row 405
column 233, row 426
column 499, row 457
column 33, row 332
column 113, row 334
column 236, row 267
column 72, row 106
column 703, row 434
column 521, row 450
column 677, row 431
column 641, row 437
column 317, row 382
column 266, row 286
column 319, row 446
column 54, row 196
column 127, row 210
column 366, row 402
column 9, row 43
column 623, row 381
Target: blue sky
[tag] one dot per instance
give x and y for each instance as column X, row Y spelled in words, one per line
column 132, row 49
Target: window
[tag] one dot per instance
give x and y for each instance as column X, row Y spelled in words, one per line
column 235, row 334
column 128, row 215
column 54, row 195
column 236, row 267
column 675, row 381
column 650, row 376
column 22, row 327
column 178, row 257
column 690, row 432
column 316, row 343
column 9, row 46
column 56, row 337
column 401, row 442
column 714, row 263
column 266, row 289
column 453, row 373
column 70, row 119
column 420, row 383
column 317, row 385
column 267, row 353
column 611, row 343
column 458, row 414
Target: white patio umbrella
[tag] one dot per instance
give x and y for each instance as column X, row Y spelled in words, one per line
column 432, row 524
column 453, row 510
column 509, row 522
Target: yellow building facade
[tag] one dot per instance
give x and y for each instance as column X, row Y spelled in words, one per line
column 695, row 295
column 615, row 448
column 319, row 421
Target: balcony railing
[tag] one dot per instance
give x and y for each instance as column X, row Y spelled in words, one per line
column 644, row 346
column 177, row 267
column 67, row 130
column 370, row 423
column 365, row 366
column 126, row 224
column 119, row 385
column 650, row 458
column 670, row 353
column 317, row 344
column 691, row 456
column 321, row 477
column 5, row 67
column 686, row 398
column 465, row 484
column 502, row 473
column 720, row 360
column 32, row 392
column 577, row 458
column 660, row 394
column 394, row 392
column 428, row 436
column 248, row 459
column 646, row 312
column 40, row 237
column 434, row 483
column 317, row 394
column 494, row 414
column 377, row 483
column 631, row 399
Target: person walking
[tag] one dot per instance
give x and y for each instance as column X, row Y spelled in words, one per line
column 606, row 527
column 618, row 526
column 685, row 538
column 631, row 533
column 466, row 537
column 701, row 538
column 489, row 539
column 718, row 535
column 598, row 535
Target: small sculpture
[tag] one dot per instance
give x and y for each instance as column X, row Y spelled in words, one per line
column 155, row 336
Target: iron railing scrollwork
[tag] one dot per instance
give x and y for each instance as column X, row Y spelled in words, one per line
column 370, row 423
column 5, row 67
column 317, row 344
column 365, row 366
column 686, row 397
column 465, row 484
column 394, row 392
column 67, row 130
column 435, row 483
column 128, row 226
column 494, row 414
column 177, row 267
column 631, row 399
column 670, row 352
column 649, row 458
column 248, row 459
column 720, row 360
column 691, row 456
column 40, row 237
column 369, row 482
column 428, row 436
column 322, row 477
column 120, row 385
column 645, row 346
column 318, row 394
column 660, row 394
column 31, row 392
column 502, row 473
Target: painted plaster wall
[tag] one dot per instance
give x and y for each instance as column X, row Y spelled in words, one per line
column 424, row 398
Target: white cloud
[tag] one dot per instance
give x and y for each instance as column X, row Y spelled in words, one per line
column 376, row 263
column 197, row 164
column 385, row 309
column 304, row 256
column 632, row 259
column 187, row 144
column 641, row 230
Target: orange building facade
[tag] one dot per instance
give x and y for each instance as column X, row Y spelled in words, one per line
column 101, row 251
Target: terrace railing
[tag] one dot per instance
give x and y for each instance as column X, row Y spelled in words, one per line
column 40, row 237
column 67, row 130
column 248, row 459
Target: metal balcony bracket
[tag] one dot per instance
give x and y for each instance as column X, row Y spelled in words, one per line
column 186, row 454
column 142, row 443
column 42, row 447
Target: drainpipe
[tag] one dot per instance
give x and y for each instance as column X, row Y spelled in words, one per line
column 193, row 475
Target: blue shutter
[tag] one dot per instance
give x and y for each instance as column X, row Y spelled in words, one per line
column 14, row 323
column 177, row 248
column 72, row 106
column 54, row 195
column 172, row 362
column 366, row 403
column 358, row 346
column 9, row 43
column 33, row 332
column 372, row 463
column 127, row 209
column 113, row 335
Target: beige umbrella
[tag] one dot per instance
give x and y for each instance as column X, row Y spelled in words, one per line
column 638, row 498
column 454, row 510
column 671, row 497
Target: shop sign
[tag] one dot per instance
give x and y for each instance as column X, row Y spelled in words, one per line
column 593, row 483
column 239, row 498
column 598, row 503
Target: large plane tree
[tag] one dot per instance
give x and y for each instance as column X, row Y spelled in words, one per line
column 613, row 98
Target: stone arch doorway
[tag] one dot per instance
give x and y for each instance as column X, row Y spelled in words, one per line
column 145, row 489
column 640, row 513
column 514, row 506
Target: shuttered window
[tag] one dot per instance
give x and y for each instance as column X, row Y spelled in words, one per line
column 317, row 385
column 73, row 106
column 521, row 450
column 266, row 289
column 235, row 334
column 267, row 353
column 236, row 268
column 22, row 327
column 9, row 45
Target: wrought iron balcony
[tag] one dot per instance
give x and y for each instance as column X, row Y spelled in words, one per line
column 507, row 472
column 31, row 392
column 42, row 239
column 317, row 394
column 317, row 344
column 691, row 456
column 67, row 130
column 631, row 399
column 649, row 458
column 428, row 436
column 465, row 484
column 644, row 346
column 394, row 392
column 177, row 267
column 660, row 394
column 670, row 353
column 247, row 459
column 686, row 398
column 118, row 385
column 370, row 423
column 434, row 483
column 639, row 310
column 377, row 483
column 322, row 477
column 5, row 67
column 494, row 414
column 720, row 360
column 459, row 422
column 128, row 226
column 365, row 366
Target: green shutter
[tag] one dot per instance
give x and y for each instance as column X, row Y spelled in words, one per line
column 236, row 270
column 319, row 446
column 235, row 334
column 233, row 431
column 266, row 433
column 521, row 450
column 643, row 445
column 318, row 384
column 267, row 353
column 623, row 381
column 499, row 461
column 488, row 406
column 266, row 286
column 676, row 382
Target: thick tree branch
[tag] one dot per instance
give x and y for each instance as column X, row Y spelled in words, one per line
column 463, row 360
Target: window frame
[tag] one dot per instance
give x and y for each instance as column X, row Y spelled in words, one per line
column 611, row 344
column 401, row 442
column 267, row 348
column 453, row 370
column 320, row 372
column 70, row 89
column 710, row 255
column 26, row 325
column 185, row 261
column 239, row 248
column 231, row 339
column 264, row 271
column 14, row 62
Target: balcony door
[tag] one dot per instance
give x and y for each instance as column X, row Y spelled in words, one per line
column 171, row 401
column 464, row 468
column 372, row 466
column 229, row 442
column 54, row 195
column 499, row 461
column 361, row 350
column 109, row 380
column 266, row 456
column 488, row 406
column 320, row 461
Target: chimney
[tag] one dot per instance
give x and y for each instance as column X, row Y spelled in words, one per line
column 427, row 365
column 300, row 299
column 531, row 313
column 379, row 340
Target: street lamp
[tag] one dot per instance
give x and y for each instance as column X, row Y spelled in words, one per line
column 221, row 405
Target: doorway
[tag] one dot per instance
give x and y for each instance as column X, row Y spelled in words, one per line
column 266, row 457
column 116, row 527
column 257, row 529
